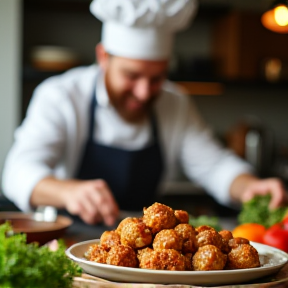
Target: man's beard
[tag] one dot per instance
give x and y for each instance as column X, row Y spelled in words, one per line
column 119, row 102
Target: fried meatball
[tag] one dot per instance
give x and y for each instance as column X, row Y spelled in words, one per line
column 97, row 253
column 242, row 257
column 182, row 216
column 188, row 261
column 136, row 235
column 149, row 260
column 188, row 234
column 233, row 243
column 158, row 217
column 209, row 237
column 122, row 255
column 203, row 228
column 125, row 221
column 207, row 258
column 171, row 259
column 109, row 239
column 167, row 239
column 143, row 251
column 226, row 236
column 166, row 259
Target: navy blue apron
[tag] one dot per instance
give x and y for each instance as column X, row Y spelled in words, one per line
column 132, row 175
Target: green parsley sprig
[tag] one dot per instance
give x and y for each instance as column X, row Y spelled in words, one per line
column 30, row 265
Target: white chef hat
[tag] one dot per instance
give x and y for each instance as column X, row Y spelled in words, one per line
column 142, row 29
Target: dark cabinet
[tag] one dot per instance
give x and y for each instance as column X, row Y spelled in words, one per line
column 60, row 24
column 242, row 48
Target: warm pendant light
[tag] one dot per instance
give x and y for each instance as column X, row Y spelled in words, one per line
column 276, row 19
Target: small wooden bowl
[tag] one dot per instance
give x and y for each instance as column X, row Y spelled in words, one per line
column 36, row 231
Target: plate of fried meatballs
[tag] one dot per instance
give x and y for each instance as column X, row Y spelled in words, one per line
column 161, row 247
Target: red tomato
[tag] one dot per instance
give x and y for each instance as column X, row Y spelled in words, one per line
column 285, row 223
column 277, row 236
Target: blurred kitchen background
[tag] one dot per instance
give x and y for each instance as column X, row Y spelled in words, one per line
column 236, row 70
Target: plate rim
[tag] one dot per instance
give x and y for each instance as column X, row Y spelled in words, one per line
column 178, row 273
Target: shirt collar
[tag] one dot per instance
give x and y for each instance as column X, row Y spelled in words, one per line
column 101, row 91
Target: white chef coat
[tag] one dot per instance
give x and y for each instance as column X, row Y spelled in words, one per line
column 52, row 137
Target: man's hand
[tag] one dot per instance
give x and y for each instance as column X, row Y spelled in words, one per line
column 91, row 200
column 246, row 186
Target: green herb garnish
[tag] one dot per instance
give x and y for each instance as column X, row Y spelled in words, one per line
column 257, row 211
column 30, row 266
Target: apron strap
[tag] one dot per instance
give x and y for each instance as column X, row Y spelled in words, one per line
column 92, row 117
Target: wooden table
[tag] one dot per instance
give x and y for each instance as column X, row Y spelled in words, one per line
column 280, row 280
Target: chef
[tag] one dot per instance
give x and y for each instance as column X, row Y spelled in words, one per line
column 102, row 138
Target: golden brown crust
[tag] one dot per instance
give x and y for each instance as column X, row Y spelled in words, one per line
column 243, row 256
column 143, row 251
column 209, row 237
column 182, row 216
column 226, row 234
column 209, row 257
column 158, row 217
column 233, row 243
column 136, row 235
column 109, row 239
column 122, row 255
column 168, row 239
column 188, row 234
column 97, row 253
column 202, row 228
column 125, row 221
column 166, row 259
column 150, row 260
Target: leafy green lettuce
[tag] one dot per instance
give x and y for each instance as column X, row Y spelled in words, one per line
column 257, row 211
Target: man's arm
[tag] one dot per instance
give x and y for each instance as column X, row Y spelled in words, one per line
column 92, row 200
column 38, row 146
column 246, row 186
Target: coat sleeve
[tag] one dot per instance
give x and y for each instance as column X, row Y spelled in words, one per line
column 38, row 146
column 205, row 160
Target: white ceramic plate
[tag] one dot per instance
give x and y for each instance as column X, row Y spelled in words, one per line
column 272, row 261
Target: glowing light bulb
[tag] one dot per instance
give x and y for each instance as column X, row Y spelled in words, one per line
column 281, row 15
